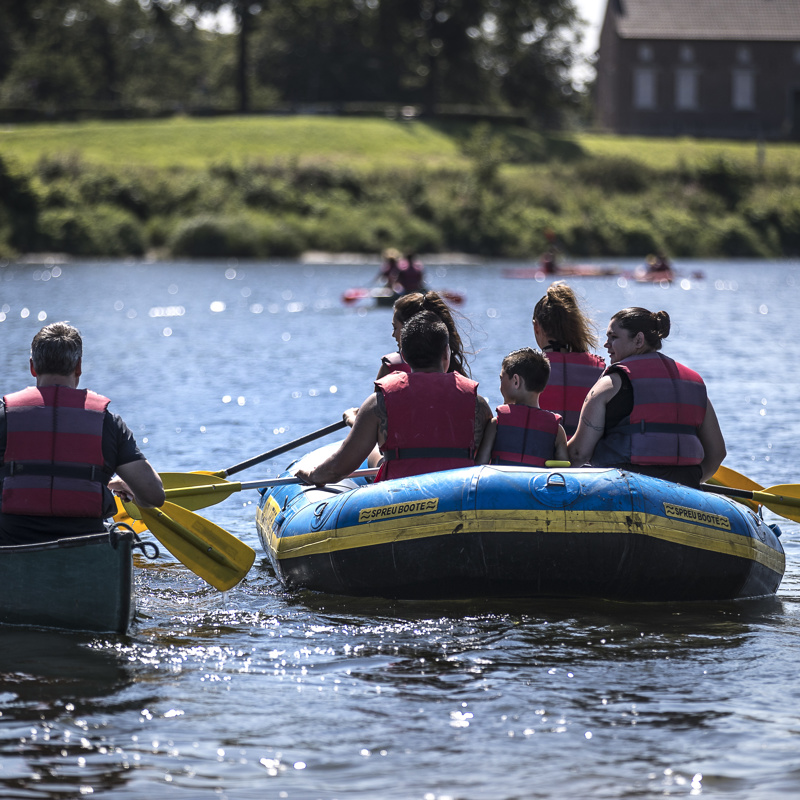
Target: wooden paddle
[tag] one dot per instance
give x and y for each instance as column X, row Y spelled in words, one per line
column 209, row 551
column 784, row 499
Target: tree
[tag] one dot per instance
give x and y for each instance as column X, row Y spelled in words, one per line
column 244, row 13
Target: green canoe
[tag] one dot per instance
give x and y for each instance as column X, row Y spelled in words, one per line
column 79, row 583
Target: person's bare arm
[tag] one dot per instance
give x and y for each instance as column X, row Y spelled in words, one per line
column 592, row 420
column 355, row 448
column 561, row 452
column 484, row 453
column 714, row 450
column 140, row 482
column 483, row 416
column 384, row 370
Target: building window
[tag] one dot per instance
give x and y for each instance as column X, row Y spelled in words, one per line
column 744, row 90
column 686, row 54
column 645, row 53
column 797, row 55
column 686, row 89
column 743, row 55
column 644, row 88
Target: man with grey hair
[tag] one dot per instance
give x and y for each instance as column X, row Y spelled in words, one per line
column 60, row 448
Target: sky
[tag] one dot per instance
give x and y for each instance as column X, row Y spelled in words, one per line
column 592, row 11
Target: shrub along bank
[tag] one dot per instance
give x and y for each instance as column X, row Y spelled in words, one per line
column 492, row 202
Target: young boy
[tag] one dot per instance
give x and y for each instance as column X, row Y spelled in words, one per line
column 523, row 433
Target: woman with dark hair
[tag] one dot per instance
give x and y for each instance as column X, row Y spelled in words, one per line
column 405, row 308
column 648, row 413
column 565, row 335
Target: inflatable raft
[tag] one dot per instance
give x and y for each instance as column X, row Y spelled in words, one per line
column 490, row 531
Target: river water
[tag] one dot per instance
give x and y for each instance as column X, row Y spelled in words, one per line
column 260, row 693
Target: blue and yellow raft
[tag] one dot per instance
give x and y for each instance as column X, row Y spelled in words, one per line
column 490, row 531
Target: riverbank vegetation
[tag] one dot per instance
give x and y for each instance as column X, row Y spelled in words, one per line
column 276, row 186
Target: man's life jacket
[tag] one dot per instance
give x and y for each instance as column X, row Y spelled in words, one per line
column 571, row 377
column 395, row 362
column 525, row 435
column 669, row 405
column 53, row 464
column 431, row 422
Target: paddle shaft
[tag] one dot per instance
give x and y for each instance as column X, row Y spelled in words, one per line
column 781, row 504
column 230, row 488
column 310, row 437
column 765, row 498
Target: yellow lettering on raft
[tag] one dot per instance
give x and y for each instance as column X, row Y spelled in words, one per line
column 398, row 509
column 693, row 515
column 270, row 513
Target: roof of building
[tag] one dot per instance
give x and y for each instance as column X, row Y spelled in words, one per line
column 742, row 20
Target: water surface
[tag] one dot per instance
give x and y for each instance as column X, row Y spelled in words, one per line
column 263, row 693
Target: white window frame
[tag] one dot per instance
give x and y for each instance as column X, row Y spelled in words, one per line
column 644, row 88
column 686, row 90
column 743, row 90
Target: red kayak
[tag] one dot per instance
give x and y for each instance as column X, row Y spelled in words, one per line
column 568, row 270
column 384, row 297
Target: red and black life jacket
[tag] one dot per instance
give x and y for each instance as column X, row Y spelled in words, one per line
column 430, row 425
column 525, row 435
column 53, row 464
column 571, row 377
column 669, row 405
column 410, row 275
column 395, row 362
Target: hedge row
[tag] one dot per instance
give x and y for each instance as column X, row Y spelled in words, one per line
column 600, row 207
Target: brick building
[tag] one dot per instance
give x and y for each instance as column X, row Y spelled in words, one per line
column 722, row 68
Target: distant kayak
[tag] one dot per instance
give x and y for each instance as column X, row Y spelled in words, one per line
column 568, row 270
column 385, row 298
column 645, row 275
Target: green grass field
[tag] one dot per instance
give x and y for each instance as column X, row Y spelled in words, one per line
column 196, row 143
column 357, row 142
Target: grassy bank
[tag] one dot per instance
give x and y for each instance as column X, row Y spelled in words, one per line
column 259, row 187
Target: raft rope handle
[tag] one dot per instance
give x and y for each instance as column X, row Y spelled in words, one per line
column 123, row 527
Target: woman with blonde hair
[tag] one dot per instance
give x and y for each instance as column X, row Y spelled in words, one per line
column 566, row 335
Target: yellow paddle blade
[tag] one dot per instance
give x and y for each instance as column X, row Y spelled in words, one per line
column 784, row 500
column 217, row 556
column 122, row 515
column 194, row 497
column 725, row 476
column 185, row 480
column 182, row 480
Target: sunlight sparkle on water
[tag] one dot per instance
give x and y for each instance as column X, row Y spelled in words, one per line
column 217, row 306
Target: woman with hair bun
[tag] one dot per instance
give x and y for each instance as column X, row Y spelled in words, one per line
column 648, row 413
column 565, row 335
